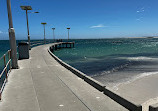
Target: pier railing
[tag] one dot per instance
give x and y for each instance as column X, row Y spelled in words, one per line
column 5, row 60
column 36, row 43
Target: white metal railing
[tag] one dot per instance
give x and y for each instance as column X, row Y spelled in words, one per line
column 6, row 69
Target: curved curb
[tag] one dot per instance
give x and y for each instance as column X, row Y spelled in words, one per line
column 86, row 78
column 127, row 104
column 153, row 108
column 102, row 88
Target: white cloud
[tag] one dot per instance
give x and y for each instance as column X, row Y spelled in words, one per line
column 101, row 26
column 140, row 19
column 1, row 32
column 98, row 26
column 141, row 10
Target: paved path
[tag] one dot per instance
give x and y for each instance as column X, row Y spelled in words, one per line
column 42, row 84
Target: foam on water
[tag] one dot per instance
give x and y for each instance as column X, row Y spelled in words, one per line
column 129, row 80
column 141, row 58
column 113, row 60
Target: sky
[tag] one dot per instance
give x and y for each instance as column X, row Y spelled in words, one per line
column 86, row 18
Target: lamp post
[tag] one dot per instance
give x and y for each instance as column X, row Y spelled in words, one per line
column 12, row 38
column 32, row 12
column 28, row 33
column 68, row 32
column 53, row 34
column 43, row 23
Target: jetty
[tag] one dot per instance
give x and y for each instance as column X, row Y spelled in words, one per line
column 42, row 84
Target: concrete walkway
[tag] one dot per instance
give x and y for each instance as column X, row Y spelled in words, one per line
column 42, row 84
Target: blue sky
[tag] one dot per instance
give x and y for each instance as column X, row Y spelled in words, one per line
column 87, row 18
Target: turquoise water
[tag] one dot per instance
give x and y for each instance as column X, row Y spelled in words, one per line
column 113, row 60
column 109, row 61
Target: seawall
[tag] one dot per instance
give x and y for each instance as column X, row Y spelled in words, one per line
column 99, row 86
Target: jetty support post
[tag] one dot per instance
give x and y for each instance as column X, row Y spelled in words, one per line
column 0, row 94
column 12, row 39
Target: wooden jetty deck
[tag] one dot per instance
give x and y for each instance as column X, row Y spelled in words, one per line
column 42, row 84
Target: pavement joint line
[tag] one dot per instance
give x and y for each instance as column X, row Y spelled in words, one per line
column 35, row 90
column 67, row 86
column 79, row 98
column 73, row 92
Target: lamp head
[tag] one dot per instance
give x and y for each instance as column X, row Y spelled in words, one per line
column 36, row 12
column 26, row 7
column 43, row 23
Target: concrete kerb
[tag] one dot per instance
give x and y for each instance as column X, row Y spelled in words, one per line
column 127, row 104
column 86, row 78
column 94, row 83
column 153, row 108
column 78, row 73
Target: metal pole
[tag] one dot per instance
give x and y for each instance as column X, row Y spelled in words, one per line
column 68, row 34
column 44, row 35
column 53, row 35
column 28, row 33
column 12, row 39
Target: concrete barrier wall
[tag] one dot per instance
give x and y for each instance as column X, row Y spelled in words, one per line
column 127, row 104
column 94, row 83
column 86, row 78
column 153, row 108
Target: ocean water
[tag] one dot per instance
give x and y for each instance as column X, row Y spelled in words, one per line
column 110, row 61
column 113, row 61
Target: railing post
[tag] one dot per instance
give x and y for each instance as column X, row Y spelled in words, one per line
column 5, row 67
column 0, row 94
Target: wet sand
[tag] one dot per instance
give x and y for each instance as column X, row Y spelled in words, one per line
column 142, row 91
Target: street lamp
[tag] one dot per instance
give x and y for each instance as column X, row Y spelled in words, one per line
column 68, row 32
column 43, row 23
column 12, row 38
column 33, row 12
column 28, row 8
column 53, row 34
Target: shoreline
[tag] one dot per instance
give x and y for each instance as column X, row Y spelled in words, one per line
column 137, row 90
column 99, row 86
column 143, row 91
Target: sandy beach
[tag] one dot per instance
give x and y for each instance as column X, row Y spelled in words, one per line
column 142, row 91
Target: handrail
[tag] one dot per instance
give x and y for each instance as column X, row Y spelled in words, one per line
column 5, row 70
column 39, row 43
column 4, row 54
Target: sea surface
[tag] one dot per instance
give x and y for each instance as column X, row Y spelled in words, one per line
column 110, row 61
column 113, row 61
